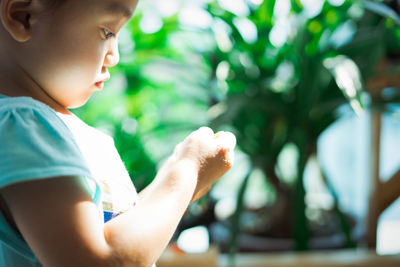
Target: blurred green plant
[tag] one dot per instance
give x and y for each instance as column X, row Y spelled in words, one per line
column 285, row 86
column 274, row 72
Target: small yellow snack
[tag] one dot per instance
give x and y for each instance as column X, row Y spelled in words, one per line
column 217, row 135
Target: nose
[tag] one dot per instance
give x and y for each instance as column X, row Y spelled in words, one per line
column 112, row 57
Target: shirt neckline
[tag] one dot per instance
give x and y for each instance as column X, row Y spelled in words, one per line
column 34, row 101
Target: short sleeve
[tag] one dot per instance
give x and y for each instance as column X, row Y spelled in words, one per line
column 36, row 144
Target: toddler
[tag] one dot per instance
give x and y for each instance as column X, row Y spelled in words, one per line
column 65, row 196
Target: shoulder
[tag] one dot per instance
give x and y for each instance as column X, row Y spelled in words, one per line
column 27, row 111
column 30, row 124
column 36, row 143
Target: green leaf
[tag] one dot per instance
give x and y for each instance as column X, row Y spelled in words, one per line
column 265, row 12
column 382, row 10
column 348, row 78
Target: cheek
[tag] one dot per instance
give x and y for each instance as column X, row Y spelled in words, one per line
column 73, row 64
column 70, row 52
column 79, row 61
column 76, row 74
column 67, row 67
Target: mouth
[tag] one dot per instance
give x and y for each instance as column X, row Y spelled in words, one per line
column 99, row 85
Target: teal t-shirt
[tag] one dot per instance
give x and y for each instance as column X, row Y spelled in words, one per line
column 34, row 143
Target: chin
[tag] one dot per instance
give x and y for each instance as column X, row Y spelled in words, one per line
column 77, row 103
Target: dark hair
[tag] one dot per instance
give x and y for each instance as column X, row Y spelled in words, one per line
column 52, row 4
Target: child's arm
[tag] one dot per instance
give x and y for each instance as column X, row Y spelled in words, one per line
column 60, row 222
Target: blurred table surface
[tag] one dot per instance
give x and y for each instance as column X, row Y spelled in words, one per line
column 353, row 258
column 341, row 258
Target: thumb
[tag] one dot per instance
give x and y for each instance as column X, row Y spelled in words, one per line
column 226, row 140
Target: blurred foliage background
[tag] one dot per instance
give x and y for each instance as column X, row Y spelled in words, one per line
column 275, row 73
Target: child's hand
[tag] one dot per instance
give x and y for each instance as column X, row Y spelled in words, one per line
column 211, row 155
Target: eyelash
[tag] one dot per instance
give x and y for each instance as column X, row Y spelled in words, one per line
column 108, row 34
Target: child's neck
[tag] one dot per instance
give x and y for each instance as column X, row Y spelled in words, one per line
column 17, row 83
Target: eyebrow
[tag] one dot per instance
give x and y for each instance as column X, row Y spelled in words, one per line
column 115, row 7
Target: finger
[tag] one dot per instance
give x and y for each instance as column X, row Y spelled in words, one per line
column 178, row 148
column 205, row 131
column 230, row 159
column 226, row 140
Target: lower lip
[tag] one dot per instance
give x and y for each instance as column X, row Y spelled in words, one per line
column 99, row 85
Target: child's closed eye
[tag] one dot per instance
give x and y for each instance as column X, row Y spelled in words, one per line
column 108, row 34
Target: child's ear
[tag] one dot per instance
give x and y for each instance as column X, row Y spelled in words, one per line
column 16, row 17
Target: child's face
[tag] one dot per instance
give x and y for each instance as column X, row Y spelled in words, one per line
column 71, row 48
